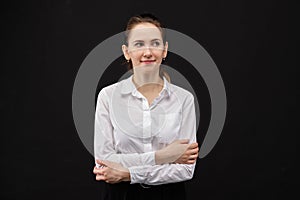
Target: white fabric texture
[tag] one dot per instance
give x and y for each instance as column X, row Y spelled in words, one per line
column 129, row 131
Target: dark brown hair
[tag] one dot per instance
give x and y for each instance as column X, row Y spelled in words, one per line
column 145, row 18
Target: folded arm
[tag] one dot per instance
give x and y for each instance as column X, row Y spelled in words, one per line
column 179, row 151
column 160, row 166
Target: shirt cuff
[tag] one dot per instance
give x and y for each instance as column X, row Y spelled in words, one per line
column 137, row 175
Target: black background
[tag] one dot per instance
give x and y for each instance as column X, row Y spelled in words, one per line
column 251, row 42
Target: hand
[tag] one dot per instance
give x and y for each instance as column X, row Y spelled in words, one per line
column 111, row 172
column 190, row 155
column 179, row 151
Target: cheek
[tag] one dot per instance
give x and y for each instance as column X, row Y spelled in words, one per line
column 136, row 57
column 159, row 55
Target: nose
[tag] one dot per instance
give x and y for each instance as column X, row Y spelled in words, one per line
column 147, row 52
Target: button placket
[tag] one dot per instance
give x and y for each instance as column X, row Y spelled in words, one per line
column 157, row 100
column 146, row 126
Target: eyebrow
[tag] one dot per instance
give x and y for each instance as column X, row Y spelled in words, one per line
column 143, row 40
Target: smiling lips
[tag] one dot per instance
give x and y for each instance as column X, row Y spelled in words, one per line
column 147, row 61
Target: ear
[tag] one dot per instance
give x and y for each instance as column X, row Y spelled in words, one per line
column 165, row 50
column 125, row 52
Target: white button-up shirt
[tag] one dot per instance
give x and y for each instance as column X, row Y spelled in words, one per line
column 128, row 130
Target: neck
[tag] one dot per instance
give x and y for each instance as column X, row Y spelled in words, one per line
column 142, row 78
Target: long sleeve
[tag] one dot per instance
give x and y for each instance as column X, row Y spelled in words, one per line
column 104, row 144
column 168, row 173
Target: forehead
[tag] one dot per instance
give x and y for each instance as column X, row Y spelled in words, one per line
column 144, row 31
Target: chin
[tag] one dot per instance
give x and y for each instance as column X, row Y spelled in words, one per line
column 147, row 68
column 150, row 65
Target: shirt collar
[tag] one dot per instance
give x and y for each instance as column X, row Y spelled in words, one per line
column 129, row 87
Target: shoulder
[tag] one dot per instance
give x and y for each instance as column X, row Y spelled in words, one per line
column 185, row 98
column 106, row 91
column 108, row 88
column 181, row 93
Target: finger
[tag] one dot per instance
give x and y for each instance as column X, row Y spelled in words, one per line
column 106, row 163
column 194, row 151
column 186, row 162
column 193, row 145
column 193, row 157
column 101, row 162
column 101, row 178
column 95, row 170
column 191, row 152
column 100, row 172
column 191, row 161
column 193, row 148
column 184, row 141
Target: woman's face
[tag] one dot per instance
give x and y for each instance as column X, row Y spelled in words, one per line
column 145, row 46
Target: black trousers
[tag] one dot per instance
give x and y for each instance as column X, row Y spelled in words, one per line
column 127, row 191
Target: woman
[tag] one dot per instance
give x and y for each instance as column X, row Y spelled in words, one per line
column 145, row 127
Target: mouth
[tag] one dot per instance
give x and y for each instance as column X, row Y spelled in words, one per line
column 148, row 61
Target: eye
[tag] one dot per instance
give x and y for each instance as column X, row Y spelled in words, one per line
column 156, row 43
column 138, row 44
